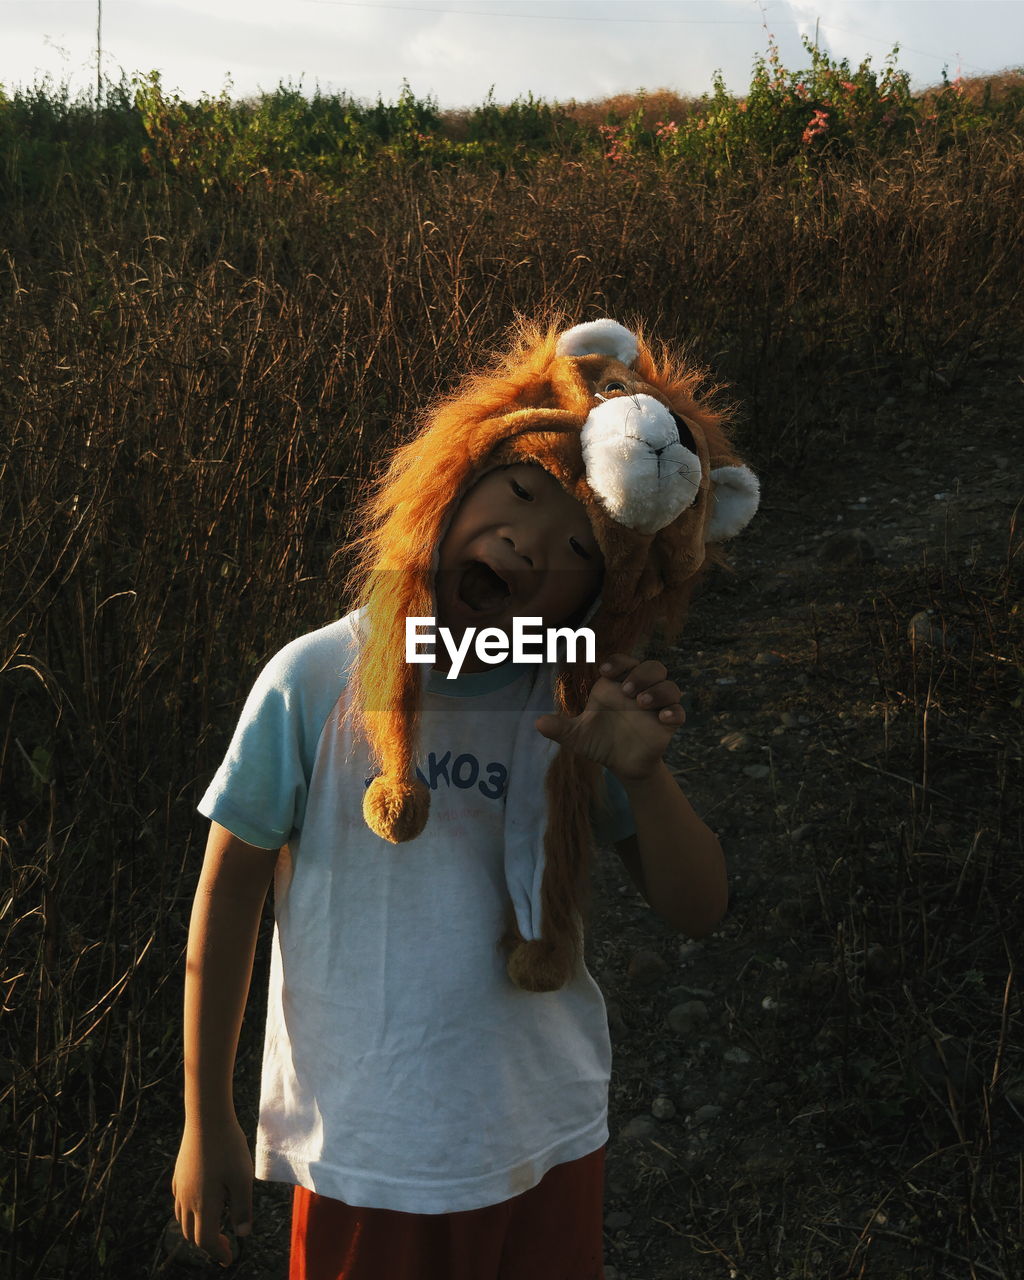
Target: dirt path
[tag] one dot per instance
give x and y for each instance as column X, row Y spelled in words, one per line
column 719, row 1164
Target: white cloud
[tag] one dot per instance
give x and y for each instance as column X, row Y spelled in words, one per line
column 456, row 49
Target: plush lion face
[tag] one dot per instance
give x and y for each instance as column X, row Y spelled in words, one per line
column 637, row 452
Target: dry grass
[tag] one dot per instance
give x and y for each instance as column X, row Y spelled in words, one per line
column 651, row 107
column 198, row 382
column 919, row 1064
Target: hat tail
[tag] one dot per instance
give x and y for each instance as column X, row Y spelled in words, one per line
column 390, row 694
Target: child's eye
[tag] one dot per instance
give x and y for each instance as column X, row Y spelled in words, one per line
column 519, row 491
column 580, row 549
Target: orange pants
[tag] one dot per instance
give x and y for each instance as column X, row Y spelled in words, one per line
column 552, row 1232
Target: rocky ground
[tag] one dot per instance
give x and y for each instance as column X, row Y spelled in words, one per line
column 725, row 1160
column 732, row 1155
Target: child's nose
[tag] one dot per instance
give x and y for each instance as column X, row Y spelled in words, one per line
column 522, row 546
column 534, row 540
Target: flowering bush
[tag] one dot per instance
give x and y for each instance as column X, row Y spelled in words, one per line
column 615, row 145
column 827, row 108
column 819, row 124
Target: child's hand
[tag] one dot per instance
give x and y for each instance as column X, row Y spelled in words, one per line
column 630, row 717
column 214, row 1170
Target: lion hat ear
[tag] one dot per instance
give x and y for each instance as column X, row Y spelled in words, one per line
column 599, row 338
column 736, row 495
column 622, row 432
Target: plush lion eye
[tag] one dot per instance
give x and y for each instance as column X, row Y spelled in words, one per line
column 614, row 386
column 685, row 434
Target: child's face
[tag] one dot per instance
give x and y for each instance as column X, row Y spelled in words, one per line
column 518, row 545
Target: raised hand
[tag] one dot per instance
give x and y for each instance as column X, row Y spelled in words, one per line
column 630, row 718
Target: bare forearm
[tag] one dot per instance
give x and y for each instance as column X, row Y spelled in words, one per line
column 682, row 868
column 221, row 946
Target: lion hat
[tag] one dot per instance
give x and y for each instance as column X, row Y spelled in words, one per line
column 620, row 431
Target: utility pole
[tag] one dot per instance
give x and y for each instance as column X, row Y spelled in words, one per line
column 99, row 53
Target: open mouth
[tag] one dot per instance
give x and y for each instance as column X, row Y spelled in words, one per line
column 481, row 589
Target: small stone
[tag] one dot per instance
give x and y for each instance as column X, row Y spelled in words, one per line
column 663, row 1108
column 922, row 629
column 788, row 720
column 695, row 993
column 691, row 1096
column 686, row 1018
column 847, row 549
column 757, row 771
column 707, row 1114
column 734, row 741
column 646, row 966
column 802, row 833
column 767, row 659
column 737, row 1056
column 764, row 1164
column 639, row 1127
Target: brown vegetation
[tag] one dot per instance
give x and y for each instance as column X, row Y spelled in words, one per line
column 198, row 381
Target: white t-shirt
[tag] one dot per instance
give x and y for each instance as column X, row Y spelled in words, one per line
column 402, row 1068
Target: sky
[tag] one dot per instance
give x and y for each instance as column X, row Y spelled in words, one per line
column 456, row 51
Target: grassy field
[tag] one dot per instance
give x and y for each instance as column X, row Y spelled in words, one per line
column 217, row 317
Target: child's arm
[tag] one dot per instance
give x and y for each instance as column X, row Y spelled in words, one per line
column 626, row 726
column 674, row 859
column 214, row 1166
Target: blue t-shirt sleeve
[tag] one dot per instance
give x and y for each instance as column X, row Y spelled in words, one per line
column 612, row 821
column 259, row 792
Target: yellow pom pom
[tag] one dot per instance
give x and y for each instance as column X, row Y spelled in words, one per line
column 538, row 966
column 396, row 808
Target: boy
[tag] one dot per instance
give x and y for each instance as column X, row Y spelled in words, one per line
column 439, row 1104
